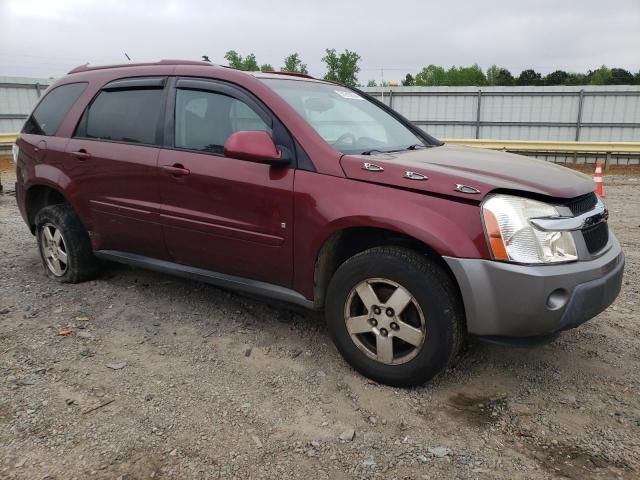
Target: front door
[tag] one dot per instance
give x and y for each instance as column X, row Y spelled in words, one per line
column 219, row 213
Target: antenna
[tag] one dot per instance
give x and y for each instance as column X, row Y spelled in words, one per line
column 205, row 58
column 125, row 54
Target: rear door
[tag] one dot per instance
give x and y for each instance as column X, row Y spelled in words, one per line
column 112, row 159
column 219, row 213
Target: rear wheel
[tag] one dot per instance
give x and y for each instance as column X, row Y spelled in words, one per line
column 395, row 315
column 64, row 245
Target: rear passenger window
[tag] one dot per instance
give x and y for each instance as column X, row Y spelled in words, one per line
column 50, row 112
column 123, row 116
column 204, row 120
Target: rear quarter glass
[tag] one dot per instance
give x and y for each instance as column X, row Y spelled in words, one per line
column 48, row 115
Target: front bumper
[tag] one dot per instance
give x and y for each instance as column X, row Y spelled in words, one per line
column 510, row 300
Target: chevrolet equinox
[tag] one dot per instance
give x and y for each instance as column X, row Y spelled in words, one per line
column 317, row 194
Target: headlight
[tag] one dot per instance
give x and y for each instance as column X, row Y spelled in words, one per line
column 15, row 150
column 513, row 238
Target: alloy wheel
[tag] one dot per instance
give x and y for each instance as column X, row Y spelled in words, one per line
column 385, row 321
column 54, row 250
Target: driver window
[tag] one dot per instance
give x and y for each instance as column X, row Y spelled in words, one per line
column 204, row 120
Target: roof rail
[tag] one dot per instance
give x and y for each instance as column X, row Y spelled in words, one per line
column 275, row 72
column 293, row 74
column 86, row 67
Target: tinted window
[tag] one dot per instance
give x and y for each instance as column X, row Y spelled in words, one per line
column 204, row 120
column 48, row 115
column 123, row 116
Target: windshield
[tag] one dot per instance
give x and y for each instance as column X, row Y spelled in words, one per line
column 346, row 120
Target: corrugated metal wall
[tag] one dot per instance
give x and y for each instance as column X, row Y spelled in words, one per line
column 563, row 113
column 18, row 96
column 589, row 113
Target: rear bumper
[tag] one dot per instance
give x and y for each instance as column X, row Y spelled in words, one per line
column 503, row 299
column 20, row 200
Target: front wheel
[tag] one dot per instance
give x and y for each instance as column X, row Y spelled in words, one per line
column 395, row 315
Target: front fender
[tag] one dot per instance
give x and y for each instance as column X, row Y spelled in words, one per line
column 442, row 234
column 326, row 205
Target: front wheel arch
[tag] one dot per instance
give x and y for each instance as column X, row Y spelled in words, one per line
column 348, row 242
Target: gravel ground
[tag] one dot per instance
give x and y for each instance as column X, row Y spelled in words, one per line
column 140, row 375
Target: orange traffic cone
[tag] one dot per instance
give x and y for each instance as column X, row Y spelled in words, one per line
column 597, row 178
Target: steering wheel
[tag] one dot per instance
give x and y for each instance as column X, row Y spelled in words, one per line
column 341, row 139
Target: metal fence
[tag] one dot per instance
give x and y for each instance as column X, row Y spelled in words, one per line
column 18, row 96
column 545, row 115
column 564, row 113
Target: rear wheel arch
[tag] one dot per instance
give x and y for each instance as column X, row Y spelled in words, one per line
column 348, row 242
column 40, row 196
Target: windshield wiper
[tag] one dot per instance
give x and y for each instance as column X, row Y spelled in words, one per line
column 373, row 150
column 414, row 146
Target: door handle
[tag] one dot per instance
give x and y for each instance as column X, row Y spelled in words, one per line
column 81, row 154
column 176, row 170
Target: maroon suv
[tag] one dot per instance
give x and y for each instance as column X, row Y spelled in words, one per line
column 313, row 193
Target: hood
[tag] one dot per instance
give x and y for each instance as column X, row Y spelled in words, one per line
column 485, row 170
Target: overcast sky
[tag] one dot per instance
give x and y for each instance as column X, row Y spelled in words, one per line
column 46, row 38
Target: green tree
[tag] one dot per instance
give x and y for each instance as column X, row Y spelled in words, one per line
column 600, row 76
column 372, row 83
column 559, row 77
column 434, row 75
column 234, row 59
column 577, row 79
column 431, row 76
column 343, row 67
column 248, row 63
column 636, row 77
column 266, row 67
column 292, row 63
column 504, row 77
column 528, row 77
column 464, row 76
column 620, row 76
column 473, row 75
column 492, row 73
column 408, row 81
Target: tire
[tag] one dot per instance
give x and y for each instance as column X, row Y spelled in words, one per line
column 64, row 245
column 432, row 319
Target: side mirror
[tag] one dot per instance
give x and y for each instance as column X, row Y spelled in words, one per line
column 254, row 146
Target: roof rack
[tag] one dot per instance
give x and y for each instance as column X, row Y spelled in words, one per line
column 86, row 67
